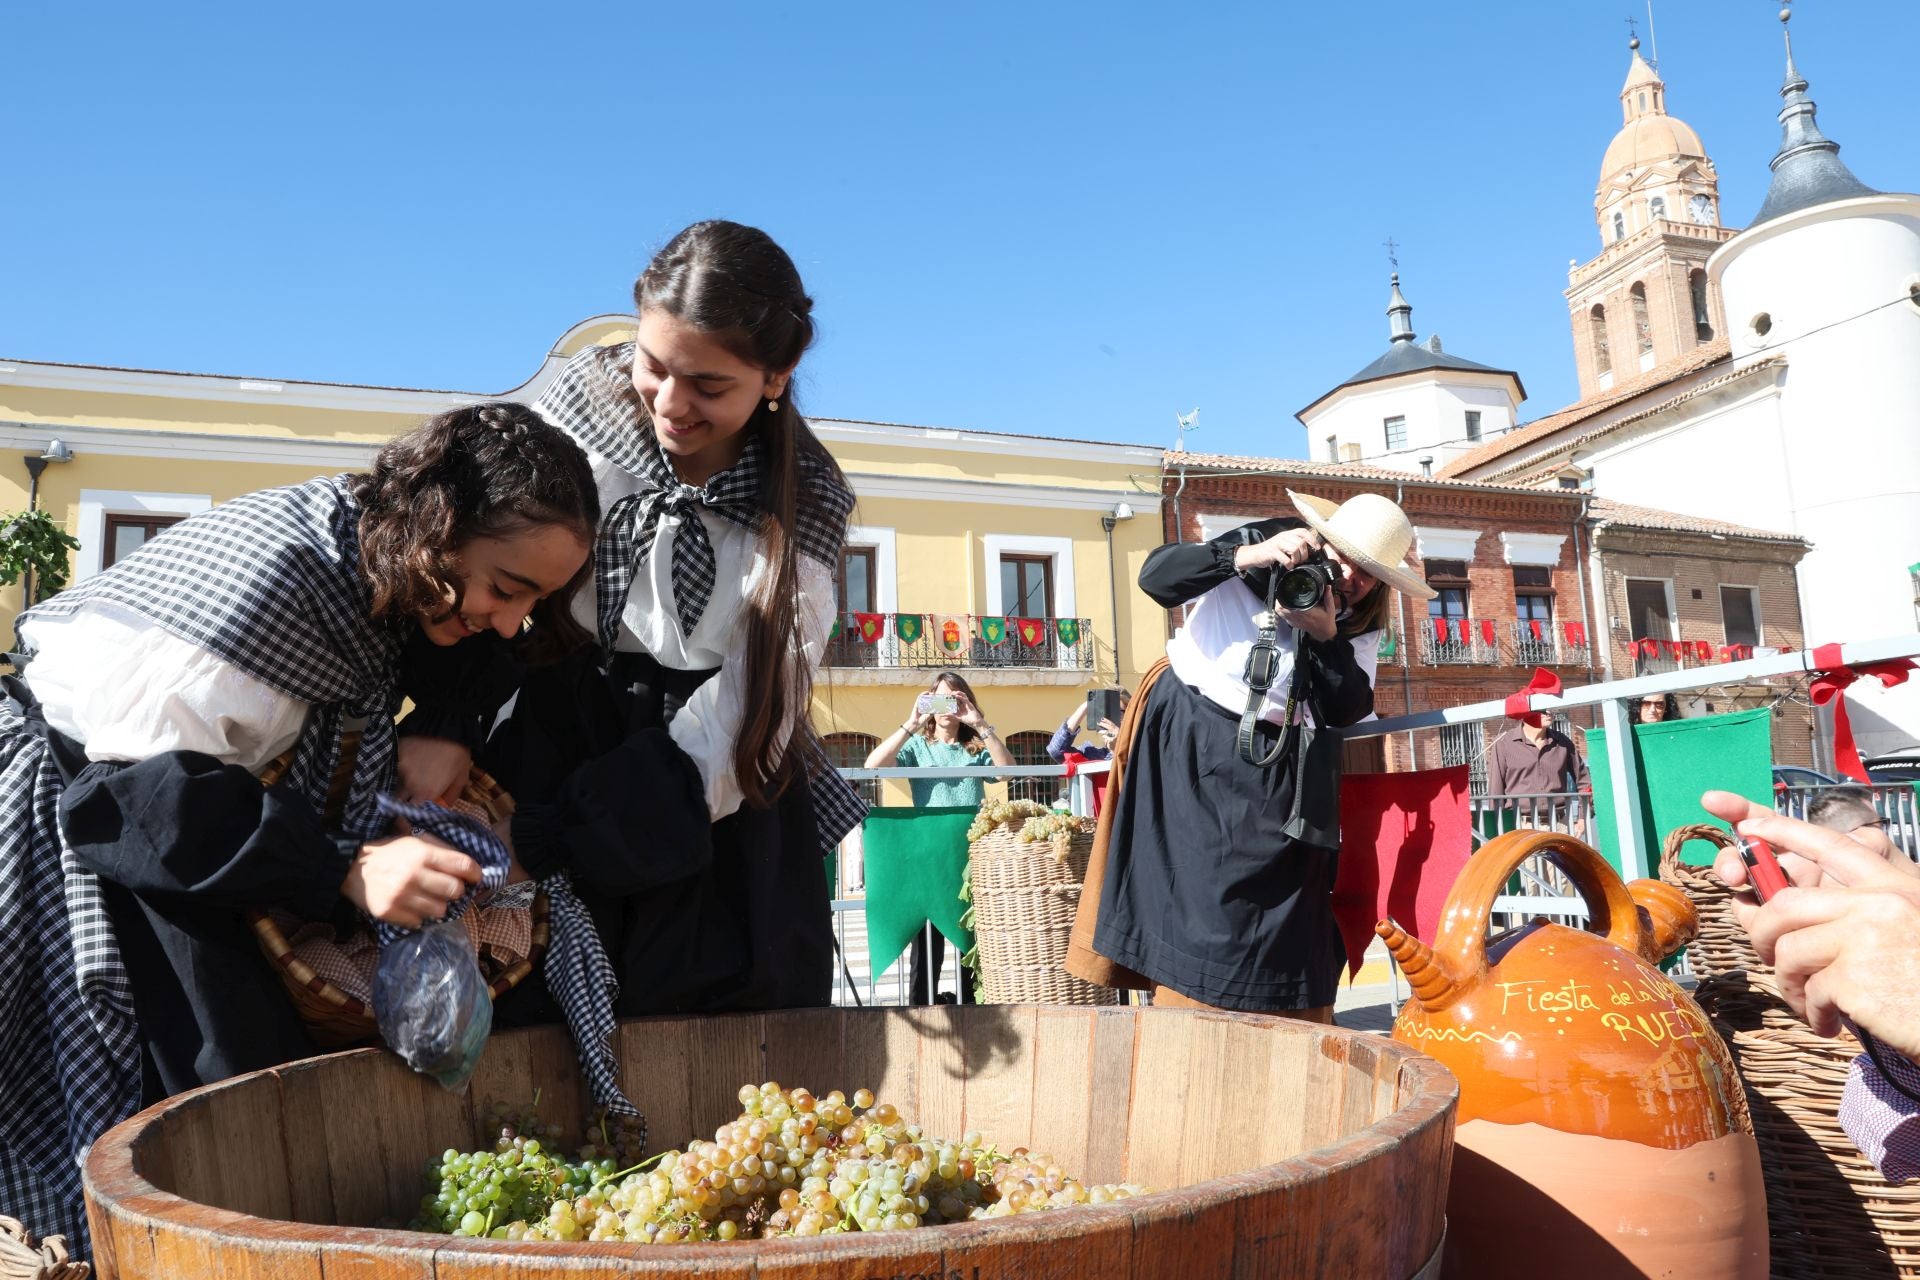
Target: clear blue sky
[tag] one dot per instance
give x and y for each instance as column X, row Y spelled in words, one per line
column 1060, row 218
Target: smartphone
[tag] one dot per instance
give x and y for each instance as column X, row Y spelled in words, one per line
column 1103, row 704
column 936, row 704
column 1763, row 869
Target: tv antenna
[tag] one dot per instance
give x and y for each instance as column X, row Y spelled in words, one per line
column 1187, row 422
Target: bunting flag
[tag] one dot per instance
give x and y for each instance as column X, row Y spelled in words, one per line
column 1068, row 629
column 1735, row 652
column 834, row 632
column 993, row 631
column 1576, row 633
column 909, row 626
column 1032, row 631
column 1703, row 651
column 1389, row 645
column 1440, row 630
column 951, row 632
column 1533, row 625
column 871, row 626
column 1466, row 631
column 1487, row 632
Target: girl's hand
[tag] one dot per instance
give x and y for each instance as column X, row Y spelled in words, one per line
column 1109, row 730
column 408, row 880
column 1320, row 622
column 1078, row 718
column 1284, row 549
column 432, row 769
column 966, row 712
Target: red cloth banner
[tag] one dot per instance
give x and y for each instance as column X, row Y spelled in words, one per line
column 1703, row 651
column 1520, row 704
column 870, row 626
column 1533, row 625
column 1404, row 839
column 1831, row 685
column 1466, row 631
column 1576, row 633
column 1032, row 631
column 1440, row 630
column 1487, row 632
column 1073, row 760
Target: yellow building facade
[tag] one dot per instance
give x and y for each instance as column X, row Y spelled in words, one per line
column 1027, row 546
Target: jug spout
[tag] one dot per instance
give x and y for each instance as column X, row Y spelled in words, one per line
column 1668, row 918
column 1432, row 985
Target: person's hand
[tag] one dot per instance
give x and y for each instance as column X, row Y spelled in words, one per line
column 1845, row 939
column 408, row 880
column 1320, row 622
column 1078, row 718
column 1284, row 549
column 432, row 768
column 966, row 712
column 1109, row 730
column 913, row 715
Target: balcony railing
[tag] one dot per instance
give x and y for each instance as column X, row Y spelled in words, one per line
column 1657, row 657
column 1460, row 642
column 933, row 640
column 1544, row 643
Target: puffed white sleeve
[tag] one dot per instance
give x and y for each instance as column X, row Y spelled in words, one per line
column 707, row 727
column 130, row 690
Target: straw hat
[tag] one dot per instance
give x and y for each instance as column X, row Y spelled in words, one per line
column 1370, row 531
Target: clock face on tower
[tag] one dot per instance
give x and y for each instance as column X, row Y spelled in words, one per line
column 1701, row 209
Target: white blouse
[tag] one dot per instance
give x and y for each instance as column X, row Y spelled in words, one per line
column 1209, row 651
column 129, row 689
column 709, row 724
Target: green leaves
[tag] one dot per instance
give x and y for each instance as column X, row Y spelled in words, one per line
column 34, row 541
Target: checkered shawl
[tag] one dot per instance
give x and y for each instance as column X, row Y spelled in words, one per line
column 271, row 583
column 578, row 974
column 593, row 401
column 69, row 1058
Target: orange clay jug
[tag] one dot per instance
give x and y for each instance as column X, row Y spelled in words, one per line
column 1602, row 1127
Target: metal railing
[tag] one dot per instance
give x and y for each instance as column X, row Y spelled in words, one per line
column 1466, row 642
column 1893, row 801
column 1550, row 648
column 931, row 641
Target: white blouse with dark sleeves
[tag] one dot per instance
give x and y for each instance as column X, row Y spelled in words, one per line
column 130, row 690
column 707, row 727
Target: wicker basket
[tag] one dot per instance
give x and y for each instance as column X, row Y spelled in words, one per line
column 334, row 1019
column 1722, row 945
column 1024, row 899
column 22, row 1259
column 1829, row 1213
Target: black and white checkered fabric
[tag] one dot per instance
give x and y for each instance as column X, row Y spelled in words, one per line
column 593, row 401
column 578, row 974
column 271, row 584
column 69, row 1058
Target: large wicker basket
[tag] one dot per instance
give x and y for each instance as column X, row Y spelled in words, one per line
column 334, row 1019
column 22, row 1258
column 1024, row 898
column 1829, row 1212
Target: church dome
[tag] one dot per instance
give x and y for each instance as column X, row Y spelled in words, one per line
column 1646, row 141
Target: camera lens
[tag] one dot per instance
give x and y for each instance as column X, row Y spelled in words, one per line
column 1302, row 587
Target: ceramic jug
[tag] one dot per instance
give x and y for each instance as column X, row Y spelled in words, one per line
column 1602, row 1127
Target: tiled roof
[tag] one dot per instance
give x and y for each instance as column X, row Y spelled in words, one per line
column 1608, row 512
column 1699, row 358
column 1340, row 470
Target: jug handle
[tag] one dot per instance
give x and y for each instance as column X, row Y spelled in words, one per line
column 1461, row 944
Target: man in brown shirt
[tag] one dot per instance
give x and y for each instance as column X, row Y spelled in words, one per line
column 1530, row 761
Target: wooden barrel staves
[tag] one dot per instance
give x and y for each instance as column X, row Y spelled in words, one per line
column 1279, row 1148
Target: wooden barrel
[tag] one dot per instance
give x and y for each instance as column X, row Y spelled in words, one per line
column 1280, row 1148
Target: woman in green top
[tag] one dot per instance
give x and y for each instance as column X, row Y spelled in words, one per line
column 935, row 739
column 938, row 738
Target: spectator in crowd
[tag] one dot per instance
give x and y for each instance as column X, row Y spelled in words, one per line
column 1538, row 760
column 1070, row 728
column 935, row 739
column 1656, row 707
column 1850, row 811
column 1845, row 944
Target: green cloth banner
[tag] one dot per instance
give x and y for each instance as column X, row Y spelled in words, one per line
column 993, row 630
column 916, row 864
column 1068, row 629
column 908, row 626
column 1679, row 759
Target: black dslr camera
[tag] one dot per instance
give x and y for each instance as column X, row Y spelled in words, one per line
column 1304, row 585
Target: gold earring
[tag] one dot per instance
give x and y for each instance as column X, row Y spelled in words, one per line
column 773, row 406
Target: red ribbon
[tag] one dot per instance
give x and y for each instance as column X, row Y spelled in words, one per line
column 1830, row 686
column 1487, row 632
column 1520, row 705
column 1440, row 630
column 1466, row 631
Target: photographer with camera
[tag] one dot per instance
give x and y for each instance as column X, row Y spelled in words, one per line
column 1214, row 872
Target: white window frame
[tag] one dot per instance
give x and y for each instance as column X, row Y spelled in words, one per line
column 886, row 582
column 1759, row 623
column 1060, row 550
column 1213, row 524
column 1673, row 611
column 1386, row 432
column 97, row 504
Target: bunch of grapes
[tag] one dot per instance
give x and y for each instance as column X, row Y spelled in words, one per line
column 790, row 1164
column 996, row 813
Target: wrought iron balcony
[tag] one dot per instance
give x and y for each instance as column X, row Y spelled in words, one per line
column 1657, row 657
column 1460, row 642
column 934, row 640
column 1540, row 642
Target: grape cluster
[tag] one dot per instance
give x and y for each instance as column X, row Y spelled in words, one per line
column 790, row 1164
column 995, row 813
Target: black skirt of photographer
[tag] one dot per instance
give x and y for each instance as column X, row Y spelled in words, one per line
column 1221, row 870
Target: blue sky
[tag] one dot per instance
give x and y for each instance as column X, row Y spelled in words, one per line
column 1062, row 218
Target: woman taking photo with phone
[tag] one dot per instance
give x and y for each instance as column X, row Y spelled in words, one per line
column 1214, row 863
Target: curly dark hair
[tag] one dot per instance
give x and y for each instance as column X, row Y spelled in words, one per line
column 483, row 470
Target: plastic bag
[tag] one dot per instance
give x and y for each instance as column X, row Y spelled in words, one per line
column 431, row 1003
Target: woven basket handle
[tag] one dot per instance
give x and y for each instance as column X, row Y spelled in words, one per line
column 1670, row 865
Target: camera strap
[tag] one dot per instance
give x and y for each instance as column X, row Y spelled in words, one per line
column 1263, row 663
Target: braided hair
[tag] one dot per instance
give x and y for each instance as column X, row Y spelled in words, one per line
column 479, row 471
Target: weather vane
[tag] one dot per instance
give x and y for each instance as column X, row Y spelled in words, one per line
column 1393, row 252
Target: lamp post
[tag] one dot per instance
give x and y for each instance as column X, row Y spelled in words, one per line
column 1121, row 511
column 56, row 451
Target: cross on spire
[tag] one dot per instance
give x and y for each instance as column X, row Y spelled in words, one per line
column 1393, row 252
column 1633, row 34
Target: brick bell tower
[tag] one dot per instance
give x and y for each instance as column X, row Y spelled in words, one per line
column 1645, row 299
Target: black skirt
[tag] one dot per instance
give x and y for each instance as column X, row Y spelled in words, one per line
column 697, row 916
column 1204, row 893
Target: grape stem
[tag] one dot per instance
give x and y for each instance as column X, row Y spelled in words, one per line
column 637, row 1168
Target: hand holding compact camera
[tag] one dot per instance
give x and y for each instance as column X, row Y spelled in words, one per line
column 935, row 704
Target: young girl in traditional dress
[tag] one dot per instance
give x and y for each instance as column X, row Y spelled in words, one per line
column 676, row 775
column 135, row 828
column 1214, row 870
